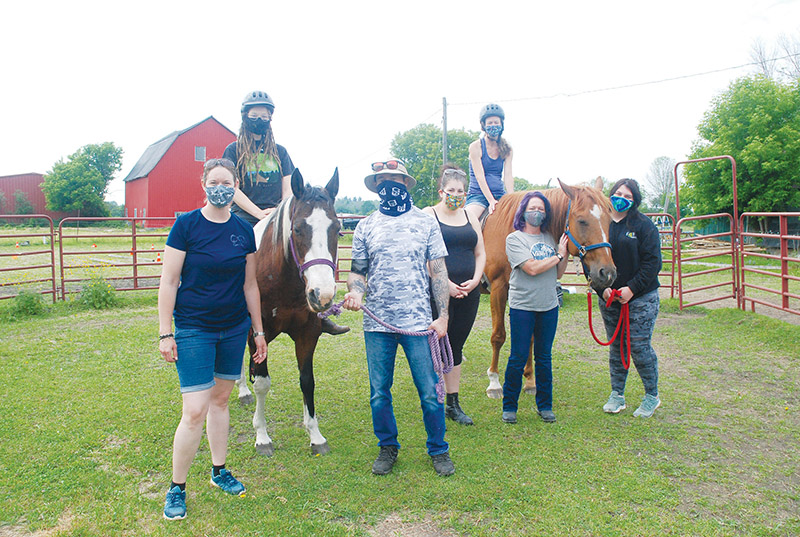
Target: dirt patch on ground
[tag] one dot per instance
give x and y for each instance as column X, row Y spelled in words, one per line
column 395, row 526
column 19, row 530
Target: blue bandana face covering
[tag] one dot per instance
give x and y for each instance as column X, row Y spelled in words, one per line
column 494, row 131
column 220, row 195
column 395, row 199
column 621, row 204
column 534, row 218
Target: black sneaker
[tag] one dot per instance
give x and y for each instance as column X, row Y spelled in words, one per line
column 386, row 459
column 443, row 464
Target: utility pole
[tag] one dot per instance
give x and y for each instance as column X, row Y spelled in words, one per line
column 444, row 130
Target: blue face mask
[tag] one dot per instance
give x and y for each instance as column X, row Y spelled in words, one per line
column 494, row 131
column 220, row 195
column 621, row 204
column 534, row 218
column 395, row 199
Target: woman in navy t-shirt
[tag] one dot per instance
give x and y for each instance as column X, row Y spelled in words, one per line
column 208, row 284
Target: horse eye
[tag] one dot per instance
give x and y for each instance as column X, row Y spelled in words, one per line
column 583, row 222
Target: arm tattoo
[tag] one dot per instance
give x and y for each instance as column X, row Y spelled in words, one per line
column 440, row 287
column 357, row 283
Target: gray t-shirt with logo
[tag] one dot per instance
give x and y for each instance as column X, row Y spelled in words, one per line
column 526, row 292
column 398, row 249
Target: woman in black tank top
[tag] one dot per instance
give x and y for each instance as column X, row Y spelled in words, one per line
column 465, row 262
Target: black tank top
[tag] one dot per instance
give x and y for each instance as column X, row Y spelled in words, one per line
column 460, row 242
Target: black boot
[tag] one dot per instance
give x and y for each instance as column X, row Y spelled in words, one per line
column 453, row 410
column 330, row 327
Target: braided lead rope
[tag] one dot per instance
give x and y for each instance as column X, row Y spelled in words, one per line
column 441, row 352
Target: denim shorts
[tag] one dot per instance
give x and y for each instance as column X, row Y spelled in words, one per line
column 480, row 199
column 204, row 355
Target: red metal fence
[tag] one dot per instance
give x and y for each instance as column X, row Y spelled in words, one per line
column 42, row 258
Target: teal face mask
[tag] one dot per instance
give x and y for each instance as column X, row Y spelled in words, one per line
column 621, row 204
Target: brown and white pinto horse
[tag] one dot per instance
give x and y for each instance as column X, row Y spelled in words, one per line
column 295, row 264
column 589, row 218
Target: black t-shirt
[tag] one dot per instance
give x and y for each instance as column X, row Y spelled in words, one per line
column 260, row 180
column 637, row 254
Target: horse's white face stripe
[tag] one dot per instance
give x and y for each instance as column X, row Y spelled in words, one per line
column 597, row 212
column 320, row 277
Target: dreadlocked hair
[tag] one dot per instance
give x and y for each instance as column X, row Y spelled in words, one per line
column 248, row 147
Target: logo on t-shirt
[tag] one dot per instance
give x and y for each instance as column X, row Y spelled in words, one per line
column 542, row 250
column 631, row 235
column 238, row 240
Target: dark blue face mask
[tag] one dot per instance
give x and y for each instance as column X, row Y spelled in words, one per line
column 395, row 199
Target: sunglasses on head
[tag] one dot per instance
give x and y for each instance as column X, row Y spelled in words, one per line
column 214, row 162
column 388, row 165
column 451, row 171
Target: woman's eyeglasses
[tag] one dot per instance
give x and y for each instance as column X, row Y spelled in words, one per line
column 388, row 165
column 214, row 162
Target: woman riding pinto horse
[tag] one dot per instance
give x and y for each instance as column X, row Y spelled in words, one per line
column 580, row 211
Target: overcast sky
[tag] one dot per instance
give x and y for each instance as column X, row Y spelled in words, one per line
column 347, row 76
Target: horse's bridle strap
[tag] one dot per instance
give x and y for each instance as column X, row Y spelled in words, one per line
column 582, row 249
column 302, row 267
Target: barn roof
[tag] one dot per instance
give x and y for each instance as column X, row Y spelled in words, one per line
column 156, row 151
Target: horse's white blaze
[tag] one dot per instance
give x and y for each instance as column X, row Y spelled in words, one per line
column 320, row 277
column 261, row 387
column 597, row 212
column 312, row 427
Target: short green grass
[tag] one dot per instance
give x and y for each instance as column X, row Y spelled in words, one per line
column 90, row 409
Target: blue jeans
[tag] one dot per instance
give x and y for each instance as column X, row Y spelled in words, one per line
column 541, row 326
column 204, row 355
column 643, row 311
column 381, row 354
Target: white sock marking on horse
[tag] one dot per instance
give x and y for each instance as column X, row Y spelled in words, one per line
column 597, row 212
column 244, row 391
column 312, row 426
column 261, row 387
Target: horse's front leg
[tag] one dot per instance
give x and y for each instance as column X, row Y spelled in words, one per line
column 499, row 297
column 304, row 347
column 530, row 379
column 261, row 385
column 245, row 397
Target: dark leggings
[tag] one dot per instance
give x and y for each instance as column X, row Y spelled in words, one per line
column 462, row 316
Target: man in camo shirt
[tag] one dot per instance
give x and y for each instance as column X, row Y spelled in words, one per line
column 395, row 251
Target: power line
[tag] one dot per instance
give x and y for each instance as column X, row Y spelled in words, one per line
column 625, row 86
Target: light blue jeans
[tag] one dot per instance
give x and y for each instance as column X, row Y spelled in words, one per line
column 381, row 354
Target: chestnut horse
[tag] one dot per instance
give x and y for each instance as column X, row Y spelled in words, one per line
column 589, row 218
column 295, row 264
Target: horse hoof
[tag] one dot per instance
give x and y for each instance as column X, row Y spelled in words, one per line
column 494, row 393
column 245, row 400
column 265, row 449
column 530, row 390
column 320, row 449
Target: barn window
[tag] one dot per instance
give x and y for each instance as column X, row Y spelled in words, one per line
column 200, row 153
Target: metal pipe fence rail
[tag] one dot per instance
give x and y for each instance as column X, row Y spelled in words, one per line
column 17, row 252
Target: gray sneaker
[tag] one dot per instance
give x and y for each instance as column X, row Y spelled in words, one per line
column 509, row 416
column 385, row 461
column 443, row 464
column 615, row 404
column 649, row 405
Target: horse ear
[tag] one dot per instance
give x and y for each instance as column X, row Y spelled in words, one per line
column 568, row 190
column 298, row 186
column 598, row 183
column 333, row 185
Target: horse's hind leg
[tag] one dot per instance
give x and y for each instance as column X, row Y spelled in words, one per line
column 530, row 379
column 261, row 384
column 499, row 297
column 245, row 397
column 319, row 445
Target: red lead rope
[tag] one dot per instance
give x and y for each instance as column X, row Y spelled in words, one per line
column 623, row 332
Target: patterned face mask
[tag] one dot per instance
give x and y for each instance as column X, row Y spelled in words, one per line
column 621, row 204
column 494, row 131
column 534, row 218
column 220, row 195
column 395, row 199
column 454, row 202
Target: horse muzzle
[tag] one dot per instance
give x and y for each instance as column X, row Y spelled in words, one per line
column 319, row 300
column 602, row 277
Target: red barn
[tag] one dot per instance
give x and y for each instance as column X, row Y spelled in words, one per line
column 166, row 179
column 30, row 184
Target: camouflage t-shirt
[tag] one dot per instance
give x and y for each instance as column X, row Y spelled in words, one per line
column 398, row 249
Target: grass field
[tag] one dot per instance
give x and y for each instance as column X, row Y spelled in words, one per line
column 89, row 410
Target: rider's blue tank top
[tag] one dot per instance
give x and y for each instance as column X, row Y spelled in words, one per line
column 492, row 170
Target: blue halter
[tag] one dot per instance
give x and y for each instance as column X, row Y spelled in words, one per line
column 582, row 249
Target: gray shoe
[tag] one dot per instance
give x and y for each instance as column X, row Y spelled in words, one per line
column 385, row 461
column 547, row 416
column 649, row 405
column 443, row 464
column 615, row 404
column 509, row 416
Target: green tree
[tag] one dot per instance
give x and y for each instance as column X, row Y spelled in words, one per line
column 660, row 184
column 22, row 204
column 420, row 149
column 757, row 122
column 80, row 183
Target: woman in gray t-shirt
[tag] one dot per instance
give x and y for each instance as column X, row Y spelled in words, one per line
column 536, row 263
